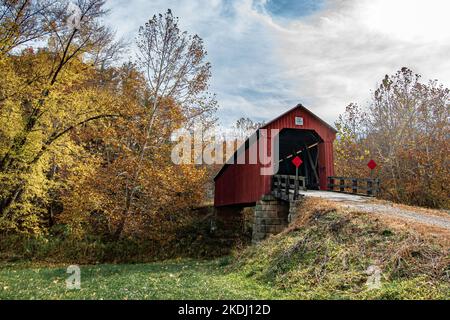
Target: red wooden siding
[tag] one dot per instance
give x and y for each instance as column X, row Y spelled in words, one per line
column 238, row 184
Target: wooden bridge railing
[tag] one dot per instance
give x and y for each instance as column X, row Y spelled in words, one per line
column 366, row 186
column 287, row 187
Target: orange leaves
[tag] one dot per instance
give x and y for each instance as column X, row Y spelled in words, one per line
column 406, row 131
column 137, row 189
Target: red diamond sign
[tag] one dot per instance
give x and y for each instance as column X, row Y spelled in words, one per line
column 372, row 164
column 297, row 161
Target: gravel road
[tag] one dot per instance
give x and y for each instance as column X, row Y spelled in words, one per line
column 366, row 204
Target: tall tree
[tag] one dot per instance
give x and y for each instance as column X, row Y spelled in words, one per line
column 174, row 65
column 51, row 95
column 168, row 89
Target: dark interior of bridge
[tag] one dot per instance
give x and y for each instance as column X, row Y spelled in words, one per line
column 302, row 143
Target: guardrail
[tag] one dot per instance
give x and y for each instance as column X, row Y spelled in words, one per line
column 287, row 187
column 365, row 186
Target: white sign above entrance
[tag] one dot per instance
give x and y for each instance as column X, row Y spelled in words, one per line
column 298, row 121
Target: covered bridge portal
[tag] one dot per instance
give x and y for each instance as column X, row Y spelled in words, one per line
column 301, row 133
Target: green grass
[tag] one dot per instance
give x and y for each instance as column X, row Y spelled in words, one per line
column 183, row 279
column 323, row 255
column 187, row 279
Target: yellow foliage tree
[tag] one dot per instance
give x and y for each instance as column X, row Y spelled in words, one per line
column 45, row 94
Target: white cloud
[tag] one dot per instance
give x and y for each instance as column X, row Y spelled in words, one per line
column 263, row 65
column 340, row 54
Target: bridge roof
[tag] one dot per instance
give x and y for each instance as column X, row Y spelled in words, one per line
column 300, row 106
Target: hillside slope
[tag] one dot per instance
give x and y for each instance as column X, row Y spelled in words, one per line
column 331, row 253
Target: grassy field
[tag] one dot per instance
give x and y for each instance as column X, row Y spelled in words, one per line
column 184, row 279
column 325, row 254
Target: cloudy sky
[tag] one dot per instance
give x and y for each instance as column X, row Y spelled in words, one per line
column 269, row 55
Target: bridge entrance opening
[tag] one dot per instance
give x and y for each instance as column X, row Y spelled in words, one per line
column 304, row 144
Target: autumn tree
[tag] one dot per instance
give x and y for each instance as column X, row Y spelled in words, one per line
column 406, row 130
column 148, row 203
column 139, row 191
column 351, row 156
column 46, row 93
column 85, row 142
column 174, row 65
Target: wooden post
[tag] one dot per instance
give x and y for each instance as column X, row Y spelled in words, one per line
column 279, row 186
column 287, row 186
column 369, row 187
column 304, row 184
column 342, row 183
column 296, row 184
column 355, row 185
column 306, row 170
column 316, row 165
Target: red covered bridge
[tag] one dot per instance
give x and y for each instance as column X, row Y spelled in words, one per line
column 301, row 133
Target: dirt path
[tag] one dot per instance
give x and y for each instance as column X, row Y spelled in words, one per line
column 434, row 218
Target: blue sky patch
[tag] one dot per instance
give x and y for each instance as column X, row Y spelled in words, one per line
column 293, row 8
